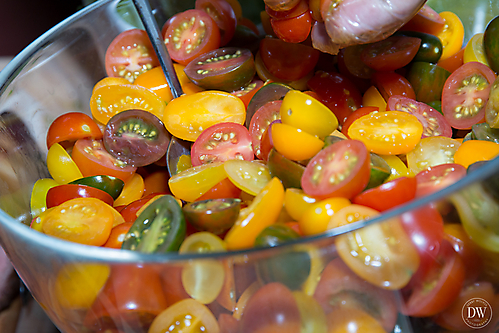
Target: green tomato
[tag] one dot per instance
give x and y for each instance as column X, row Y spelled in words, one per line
column 112, row 185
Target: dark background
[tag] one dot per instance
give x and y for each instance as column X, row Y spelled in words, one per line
column 22, row 21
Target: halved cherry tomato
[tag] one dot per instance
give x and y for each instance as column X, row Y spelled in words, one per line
column 452, row 34
column 293, row 29
column 337, row 92
column 248, row 91
column 61, row 165
column 388, row 195
column 298, row 9
column 117, row 236
column 38, row 203
column 439, row 287
column 288, row 61
column 465, row 94
column 342, row 320
column 62, row 193
column 438, row 177
column 192, row 33
column 222, row 142
column 222, row 190
column 133, row 190
column 212, row 215
column 130, row 54
column 92, row 159
column 155, row 81
column 381, row 253
column 224, row 16
column 341, row 169
column 453, row 62
column 110, row 100
column 81, row 220
column 426, row 20
column 250, row 176
column 430, row 152
column 472, row 151
column 188, row 115
column 297, row 202
column 391, row 83
column 391, row 53
column 474, row 50
column 356, row 115
column 156, row 182
column 315, row 218
column 387, row 133
column 260, row 121
column 72, row 126
column 110, row 81
column 434, row 123
column 372, row 97
column 293, row 143
column 262, row 212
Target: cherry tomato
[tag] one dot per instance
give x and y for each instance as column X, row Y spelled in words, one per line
column 356, row 115
column 340, row 288
column 110, row 81
column 92, row 159
column 129, row 211
column 130, row 54
column 111, row 185
column 293, row 143
column 227, row 69
column 72, row 126
column 192, row 33
column 81, row 220
column 110, row 100
column 308, row 114
column 288, row 61
column 453, row 62
column 388, row 195
column 271, row 309
column 372, row 97
column 289, row 172
column 133, row 190
column 341, row 169
column 298, row 9
column 430, row 152
column 397, row 167
column 387, row 133
column 297, row 202
column 117, row 236
column 262, row 212
column 352, row 321
column 452, row 34
column 472, row 151
column 247, row 92
column 213, row 215
column 381, row 253
column 260, row 121
column 391, row 83
column 465, row 94
column 126, row 302
column 293, row 29
column 224, row 16
column 474, row 50
column 224, row 189
column 427, row 20
column 156, row 182
column 155, row 81
column 38, row 203
column 337, row 92
column 61, row 165
column 434, row 123
column 391, row 53
column 62, row 193
column 439, row 287
column 438, row 177
column 250, row 176
column 222, row 142
column 315, row 218
column 188, row 115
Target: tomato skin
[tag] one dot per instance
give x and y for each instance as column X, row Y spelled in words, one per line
column 221, row 142
column 391, row 53
column 462, row 110
column 294, row 29
column 224, row 16
column 61, row 165
column 288, row 61
column 93, row 160
column 117, row 235
column 247, row 92
column 199, row 23
column 426, row 20
column 338, row 93
column 72, row 126
column 130, row 54
column 356, row 174
column 452, row 35
column 391, row 83
column 260, row 121
column 62, row 193
column 427, row 80
column 271, row 309
column 388, row 195
column 224, row 189
column 362, row 111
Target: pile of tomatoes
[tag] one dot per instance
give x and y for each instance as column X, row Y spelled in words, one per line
column 284, row 141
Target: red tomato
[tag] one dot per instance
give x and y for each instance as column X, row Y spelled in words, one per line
column 228, row 324
column 388, row 195
column 72, row 126
column 297, row 10
column 426, row 20
column 293, row 30
column 354, row 69
column 224, row 16
column 59, row 194
column 438, row 177
column 192, row 33
column 355, row 115
column 127, row 302
column 391, row 83
column 130, row 54
column 222, row 142
column 438, row 288
column 341, row 169
column 434, row 124
column 224, row 189
column 117, row 235
column 259, row 123
column 288, row 61
column 271, row 309
column 92, row 159
column 391, row 53
column 339, row 287
column 129, row 212
column 337, row 92
column 465, row 94
column 425, row 227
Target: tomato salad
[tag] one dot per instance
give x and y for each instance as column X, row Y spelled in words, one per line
column 285, row 141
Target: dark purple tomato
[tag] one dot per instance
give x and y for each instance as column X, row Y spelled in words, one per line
column 228, row 69
column 136, row 137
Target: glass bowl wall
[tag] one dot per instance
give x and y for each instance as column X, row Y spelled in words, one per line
column 55, row 75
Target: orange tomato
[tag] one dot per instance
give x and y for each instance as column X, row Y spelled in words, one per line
column 294, row 143
column 117, row 235
column 316, row 218
column 472, row 151
column 452, row 35
column 133, row 190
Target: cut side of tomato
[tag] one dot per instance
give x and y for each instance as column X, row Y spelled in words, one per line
column 224, row 16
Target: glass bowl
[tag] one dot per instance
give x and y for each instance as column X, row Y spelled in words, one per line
column 302, row 286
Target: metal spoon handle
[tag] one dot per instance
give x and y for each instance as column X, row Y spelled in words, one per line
column 158, row 44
